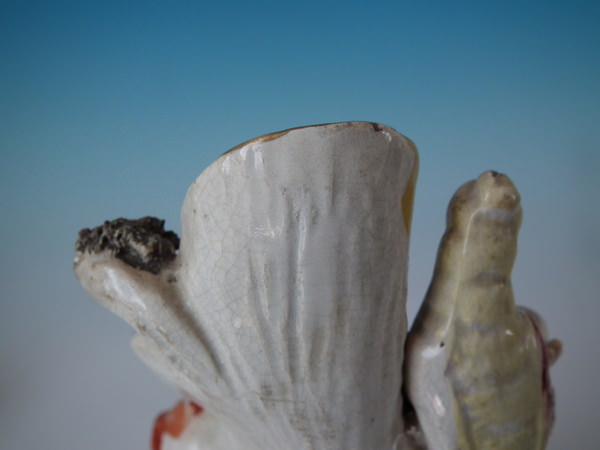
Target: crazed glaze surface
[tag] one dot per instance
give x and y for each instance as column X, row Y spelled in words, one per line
column 282, row 317
column 475, row 363
column 288, row 291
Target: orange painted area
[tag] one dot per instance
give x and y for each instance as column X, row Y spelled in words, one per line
column 174, row 421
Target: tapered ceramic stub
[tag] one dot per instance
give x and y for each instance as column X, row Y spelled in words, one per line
column 476, row 366
column 283, row 313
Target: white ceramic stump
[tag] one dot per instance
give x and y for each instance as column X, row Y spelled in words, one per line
column 283, row 314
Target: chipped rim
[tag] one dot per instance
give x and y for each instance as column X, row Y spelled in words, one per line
column 409, row 192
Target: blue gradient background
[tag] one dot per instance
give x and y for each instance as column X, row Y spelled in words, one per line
column 111, row 109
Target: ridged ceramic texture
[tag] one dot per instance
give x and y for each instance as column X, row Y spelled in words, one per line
column 476, row 364
column 282, row 317
column 284, row 313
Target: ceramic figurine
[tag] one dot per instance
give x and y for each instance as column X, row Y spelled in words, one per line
column 280, row 315
column 477, row 366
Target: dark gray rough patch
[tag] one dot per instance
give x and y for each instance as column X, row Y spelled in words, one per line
column 141, row 243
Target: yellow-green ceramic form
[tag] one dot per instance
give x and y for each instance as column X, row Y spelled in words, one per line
column 476, row 365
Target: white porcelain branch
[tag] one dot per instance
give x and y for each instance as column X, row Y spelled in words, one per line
column 283, row 312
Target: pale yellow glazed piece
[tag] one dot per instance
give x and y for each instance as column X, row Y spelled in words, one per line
column 475, row 363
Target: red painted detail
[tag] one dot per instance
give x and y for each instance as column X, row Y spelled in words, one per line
column 547, row 390
column 174, row 421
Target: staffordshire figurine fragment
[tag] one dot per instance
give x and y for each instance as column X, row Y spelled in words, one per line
column 283, row 313
column 280, row 311
column 477, row 365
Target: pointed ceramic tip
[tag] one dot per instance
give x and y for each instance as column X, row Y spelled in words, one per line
column 497, row 191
